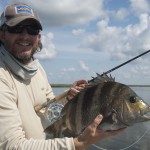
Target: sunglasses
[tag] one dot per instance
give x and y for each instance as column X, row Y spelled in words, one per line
column 32, row 30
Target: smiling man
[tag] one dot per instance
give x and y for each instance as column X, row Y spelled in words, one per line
column 22, row 46
column 24, row 84
column 21, row 36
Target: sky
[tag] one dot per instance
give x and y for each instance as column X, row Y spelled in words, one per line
column 82, row 38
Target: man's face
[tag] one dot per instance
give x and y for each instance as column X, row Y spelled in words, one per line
column 21, row 45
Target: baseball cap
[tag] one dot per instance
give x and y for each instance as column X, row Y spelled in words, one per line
column 16, row 13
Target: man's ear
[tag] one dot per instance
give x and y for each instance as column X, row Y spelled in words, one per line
column 39, row 36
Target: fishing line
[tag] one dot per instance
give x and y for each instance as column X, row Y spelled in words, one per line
column 98, row 147
column 127, row 146
column 137, row 140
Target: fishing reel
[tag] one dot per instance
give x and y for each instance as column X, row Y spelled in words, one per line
column 54, row 112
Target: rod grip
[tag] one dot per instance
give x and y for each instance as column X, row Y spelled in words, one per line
column 57, row 98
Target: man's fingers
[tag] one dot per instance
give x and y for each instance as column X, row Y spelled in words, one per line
column 76, row 88
column 80, row 82
column 74, row 91
column 96, row 122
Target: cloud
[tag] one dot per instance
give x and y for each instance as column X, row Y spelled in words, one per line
column 83, row 66
column 122, row 13
column 140, row 6
column 78, row 31
column 140, row 68
column 66, row 70
column 48, row 50
column 64, row 12
column 120, row 42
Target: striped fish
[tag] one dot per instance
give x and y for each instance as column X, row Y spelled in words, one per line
column 118, row 103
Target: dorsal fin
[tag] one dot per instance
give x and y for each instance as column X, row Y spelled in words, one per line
column 101, row 79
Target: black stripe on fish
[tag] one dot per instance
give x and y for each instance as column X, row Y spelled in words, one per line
column 91, row 103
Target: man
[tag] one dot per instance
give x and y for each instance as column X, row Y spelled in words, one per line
column 23, row 85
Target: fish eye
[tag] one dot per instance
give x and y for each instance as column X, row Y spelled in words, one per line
column 133, row 99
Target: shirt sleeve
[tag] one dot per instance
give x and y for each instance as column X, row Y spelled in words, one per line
column 12, row 135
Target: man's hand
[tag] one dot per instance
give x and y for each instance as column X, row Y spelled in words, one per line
column 76, row 87
column 92, row 135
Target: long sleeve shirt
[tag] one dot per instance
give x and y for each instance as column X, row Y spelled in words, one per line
column 21, row 128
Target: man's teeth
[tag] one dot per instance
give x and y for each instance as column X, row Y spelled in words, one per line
column 24, row 44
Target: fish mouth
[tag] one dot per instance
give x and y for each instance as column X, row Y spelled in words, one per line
column 145, row 113
column 146, row 117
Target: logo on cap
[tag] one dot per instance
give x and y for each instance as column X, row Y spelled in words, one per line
column 24, row 10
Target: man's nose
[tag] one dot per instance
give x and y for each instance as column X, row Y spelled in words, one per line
column 24, row 31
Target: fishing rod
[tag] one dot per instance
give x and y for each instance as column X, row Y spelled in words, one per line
column 104, row 73
column 64, row 94
column 124, row 63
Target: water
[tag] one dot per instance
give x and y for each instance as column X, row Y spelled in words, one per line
column 136, row 137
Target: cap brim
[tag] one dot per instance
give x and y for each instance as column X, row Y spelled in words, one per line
column 17, row 20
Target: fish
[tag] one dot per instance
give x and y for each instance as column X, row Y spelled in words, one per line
column 118, row 103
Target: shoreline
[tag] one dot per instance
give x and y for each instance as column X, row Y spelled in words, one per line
column 68, row 85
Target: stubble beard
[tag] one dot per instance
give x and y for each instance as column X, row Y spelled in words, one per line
column 23, row 59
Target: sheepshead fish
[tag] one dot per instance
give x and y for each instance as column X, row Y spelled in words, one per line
column 118, row 103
